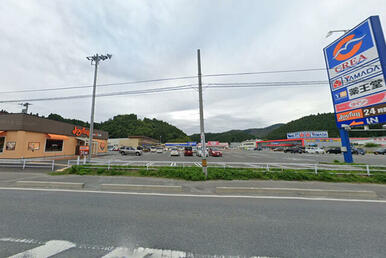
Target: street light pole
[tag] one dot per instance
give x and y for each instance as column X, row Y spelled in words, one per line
column 94, row 60
column 202, row 131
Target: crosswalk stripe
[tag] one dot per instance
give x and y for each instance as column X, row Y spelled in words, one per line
column 117, row 252
column 48, row 249
column 141, row 252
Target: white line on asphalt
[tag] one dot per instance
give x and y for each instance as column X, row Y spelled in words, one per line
column 197, row 195
column 114, row 252
column 143, row 252
column 48, row 249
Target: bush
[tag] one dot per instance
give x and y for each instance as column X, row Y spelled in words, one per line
column 370, row 145
column 195, row 174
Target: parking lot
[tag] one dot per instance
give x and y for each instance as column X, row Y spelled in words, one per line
column 252, row 156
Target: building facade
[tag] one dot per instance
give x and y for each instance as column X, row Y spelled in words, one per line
column 28, row 136
column 133, row 141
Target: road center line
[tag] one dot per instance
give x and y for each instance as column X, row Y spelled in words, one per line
column 196, row 195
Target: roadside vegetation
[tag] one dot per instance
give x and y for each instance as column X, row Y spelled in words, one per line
column 195, row 174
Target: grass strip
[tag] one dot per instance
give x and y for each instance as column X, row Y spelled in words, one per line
column 195, row 174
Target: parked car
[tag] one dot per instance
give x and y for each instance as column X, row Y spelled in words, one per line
column 160, row 150
column 358, row 151
column 258, row 148
column 146, row 149
column 215, row 152
column 199, row 153
column 278, row 149
column 174, row 152
column 335, row 150
column 294, row 150
column 153, row 149
column 130, row 151
column 380, row 151
column 315, row 150
column 188, row 151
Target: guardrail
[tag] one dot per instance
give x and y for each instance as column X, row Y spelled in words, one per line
column 27, row 163
column 272, row 167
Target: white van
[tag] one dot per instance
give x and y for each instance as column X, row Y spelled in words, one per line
column 314, row 150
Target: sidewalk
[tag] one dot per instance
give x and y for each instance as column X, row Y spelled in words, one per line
column 10, row 179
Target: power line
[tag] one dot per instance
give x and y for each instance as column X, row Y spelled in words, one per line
column 170, row 79
column 266, row 72
column 160, row 80
column 133, row 92
column 169, row 89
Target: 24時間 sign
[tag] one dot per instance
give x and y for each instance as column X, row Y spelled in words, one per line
column 356, row 65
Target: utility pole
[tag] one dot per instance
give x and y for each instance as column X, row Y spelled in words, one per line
column 94, row 60
column 26, row 105
column 202, row 131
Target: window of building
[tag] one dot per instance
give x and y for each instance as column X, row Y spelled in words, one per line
column 2, row 141
column 54, row 145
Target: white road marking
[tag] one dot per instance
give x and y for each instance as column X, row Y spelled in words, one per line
column 18, row 240
column 114, row 252
column 196, row 195
column 144, row 252
column 48, row 249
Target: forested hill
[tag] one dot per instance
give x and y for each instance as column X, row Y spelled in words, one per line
column 237, row 135
column 319, row 122
column 229, row 136
column 121, row 126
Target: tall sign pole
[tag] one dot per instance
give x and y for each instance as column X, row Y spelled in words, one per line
column 202, row 131
column 356, row 68
column 94, row 60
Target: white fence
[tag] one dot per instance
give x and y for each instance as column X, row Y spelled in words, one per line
column 28, row 163
column 312, row 168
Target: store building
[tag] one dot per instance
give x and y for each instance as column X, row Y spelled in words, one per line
column 133, row 141
column 249, row 144
column 180, row 144
column 28, row 136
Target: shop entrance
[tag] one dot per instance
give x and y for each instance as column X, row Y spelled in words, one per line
column 79, row 142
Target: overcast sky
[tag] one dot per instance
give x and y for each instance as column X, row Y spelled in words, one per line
column 44, row 44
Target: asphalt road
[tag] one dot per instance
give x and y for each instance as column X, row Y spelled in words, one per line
column 256, row 156
column 95, row 224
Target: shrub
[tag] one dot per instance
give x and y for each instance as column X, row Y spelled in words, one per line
column 370, row 145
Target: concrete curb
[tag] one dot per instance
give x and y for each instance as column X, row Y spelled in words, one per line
column 128, row 187
column 49, row 184
column 297, row 191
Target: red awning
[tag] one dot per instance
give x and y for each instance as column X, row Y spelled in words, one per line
column 1, row 132
column 57, row 136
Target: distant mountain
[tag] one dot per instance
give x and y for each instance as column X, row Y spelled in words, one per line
column 236, row 135
column 262, row 132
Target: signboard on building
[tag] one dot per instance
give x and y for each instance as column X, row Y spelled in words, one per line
column 356, row 66
column 308, row 134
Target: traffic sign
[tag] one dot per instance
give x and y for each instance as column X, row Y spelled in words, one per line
column 356, row 67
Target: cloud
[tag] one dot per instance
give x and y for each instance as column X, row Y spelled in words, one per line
column 44, row 45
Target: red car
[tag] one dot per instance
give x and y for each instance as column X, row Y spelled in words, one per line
column 215, row 153
column 188, row 151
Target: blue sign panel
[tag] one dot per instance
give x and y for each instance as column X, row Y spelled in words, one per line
column 353, row 43
column 308, row 134
column 356, row 65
